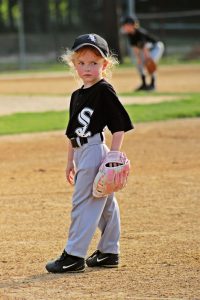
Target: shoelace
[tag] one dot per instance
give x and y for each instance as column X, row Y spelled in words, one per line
column 97, row 252
column 63, row 256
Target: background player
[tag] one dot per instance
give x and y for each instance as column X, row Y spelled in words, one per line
column 93, row 107
column 143, row 45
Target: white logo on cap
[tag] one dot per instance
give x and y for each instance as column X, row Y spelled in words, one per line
column 92, row 37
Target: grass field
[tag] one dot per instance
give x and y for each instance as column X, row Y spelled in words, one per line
column 52, row 120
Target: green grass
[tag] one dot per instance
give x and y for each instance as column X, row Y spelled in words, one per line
column 157, row 94
column 48, row 121
column 189, row 108
column 12, row 68
column 170, row 60
column 33, row 122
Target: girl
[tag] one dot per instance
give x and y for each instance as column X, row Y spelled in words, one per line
column 143, row 45
column 93, row 107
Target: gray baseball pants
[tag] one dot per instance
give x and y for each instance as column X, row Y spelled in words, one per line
column 156, row 53
column 87, row 212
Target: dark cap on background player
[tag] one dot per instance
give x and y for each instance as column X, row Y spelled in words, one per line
column 129, row 20
column 93, row 40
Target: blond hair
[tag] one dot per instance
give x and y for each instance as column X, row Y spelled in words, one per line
column 69, row 57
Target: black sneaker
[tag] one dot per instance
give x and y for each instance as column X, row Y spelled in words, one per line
column 107, row 260
column 66, row 263
column 151, row 87
column 142, row 87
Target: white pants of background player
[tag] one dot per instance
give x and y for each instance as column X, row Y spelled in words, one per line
column 89, row 213
column 156, row 52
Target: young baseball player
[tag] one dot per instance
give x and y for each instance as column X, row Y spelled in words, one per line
column 93, row 107
column 144, row 46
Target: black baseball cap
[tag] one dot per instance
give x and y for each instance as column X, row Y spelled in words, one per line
column 93, row 40
column 128, row 20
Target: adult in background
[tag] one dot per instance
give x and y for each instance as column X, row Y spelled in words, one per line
column 147, row 50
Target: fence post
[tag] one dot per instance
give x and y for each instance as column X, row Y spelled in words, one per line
column 21, row 37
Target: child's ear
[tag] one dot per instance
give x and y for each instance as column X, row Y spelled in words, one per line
column 105, row 64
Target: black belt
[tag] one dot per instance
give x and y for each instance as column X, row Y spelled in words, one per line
column 80, row 141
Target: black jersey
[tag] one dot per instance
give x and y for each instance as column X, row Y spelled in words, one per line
column 140, row 37
column 94, row 108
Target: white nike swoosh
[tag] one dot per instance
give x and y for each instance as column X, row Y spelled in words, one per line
column 66, row 267
column 100, row 259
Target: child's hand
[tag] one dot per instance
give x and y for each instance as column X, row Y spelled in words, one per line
column 70, row 172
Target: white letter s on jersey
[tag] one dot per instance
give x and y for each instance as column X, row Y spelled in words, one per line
column 84, row 119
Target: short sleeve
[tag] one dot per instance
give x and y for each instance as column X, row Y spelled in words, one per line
column 116, row 117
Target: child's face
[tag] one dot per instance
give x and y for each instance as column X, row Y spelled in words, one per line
column 128, row 28
column 89, row 67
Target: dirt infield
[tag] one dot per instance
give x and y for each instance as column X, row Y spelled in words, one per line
column 160, row 256
column 181, row 78
column 160, row 237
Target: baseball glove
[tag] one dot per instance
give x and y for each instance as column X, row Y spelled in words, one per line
column 150, row 65
column 112, row 175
